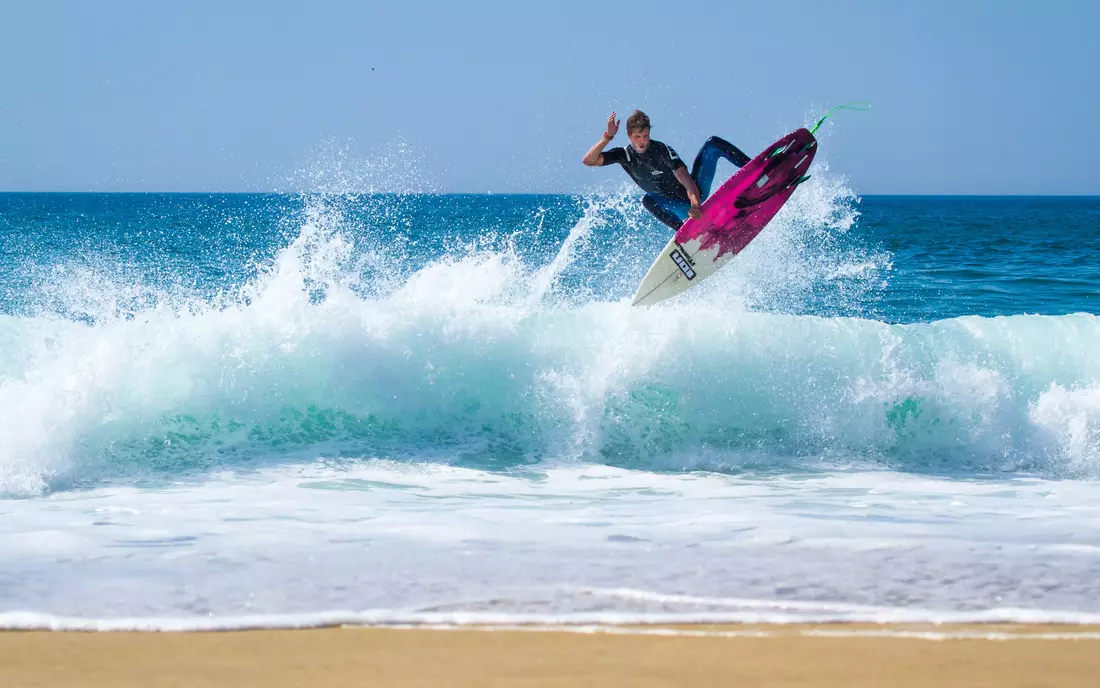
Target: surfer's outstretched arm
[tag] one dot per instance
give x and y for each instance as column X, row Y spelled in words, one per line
column 692, row 189
column 594, row 156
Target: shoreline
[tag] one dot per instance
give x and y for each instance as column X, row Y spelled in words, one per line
column 824, row 655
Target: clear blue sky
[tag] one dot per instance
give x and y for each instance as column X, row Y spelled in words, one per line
column 970, row 96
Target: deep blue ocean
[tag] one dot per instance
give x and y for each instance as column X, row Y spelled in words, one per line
column 932, row 257
column 190, row 382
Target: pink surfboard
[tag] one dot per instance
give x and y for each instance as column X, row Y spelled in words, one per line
column 730, row 219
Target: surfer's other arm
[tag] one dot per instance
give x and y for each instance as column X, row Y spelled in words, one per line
column 594, row 156
column 692, row 189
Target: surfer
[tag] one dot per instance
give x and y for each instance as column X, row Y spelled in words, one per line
column 672, row 195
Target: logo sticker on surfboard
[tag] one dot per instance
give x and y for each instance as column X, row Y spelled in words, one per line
column 682, row 263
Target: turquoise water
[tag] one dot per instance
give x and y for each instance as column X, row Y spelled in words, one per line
column 447, row 405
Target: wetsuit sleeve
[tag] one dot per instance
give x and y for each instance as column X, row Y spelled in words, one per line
column 674, row 160
column 614, row 156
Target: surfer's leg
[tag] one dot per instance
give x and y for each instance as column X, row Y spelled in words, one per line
column 702, row 171
column 662, row 210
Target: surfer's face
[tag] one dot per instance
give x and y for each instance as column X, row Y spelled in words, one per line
column 639, row 139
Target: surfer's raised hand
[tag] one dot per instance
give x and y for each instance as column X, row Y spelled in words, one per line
column 693, row 211
column 612, row 127
column 594, row 156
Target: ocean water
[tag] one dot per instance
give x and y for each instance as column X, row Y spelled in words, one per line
column 223, row 411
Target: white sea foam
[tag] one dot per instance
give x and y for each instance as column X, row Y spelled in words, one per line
column 413, row 542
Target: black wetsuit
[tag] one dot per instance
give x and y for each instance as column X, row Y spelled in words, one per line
column 655, row 172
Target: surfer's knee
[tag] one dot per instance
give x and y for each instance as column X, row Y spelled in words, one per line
column 729, row 151
column 719, row 143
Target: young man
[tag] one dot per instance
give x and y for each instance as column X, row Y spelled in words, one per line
column 672, row 195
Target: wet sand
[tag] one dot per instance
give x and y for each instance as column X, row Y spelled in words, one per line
column 823, row 656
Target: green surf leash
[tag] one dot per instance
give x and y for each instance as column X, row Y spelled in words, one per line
column 858, row 106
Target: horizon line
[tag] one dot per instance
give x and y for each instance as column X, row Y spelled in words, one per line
column 500, row 193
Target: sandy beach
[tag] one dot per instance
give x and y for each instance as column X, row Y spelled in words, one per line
column 836, row 655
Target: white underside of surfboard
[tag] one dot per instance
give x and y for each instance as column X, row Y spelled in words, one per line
column 677, row 269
